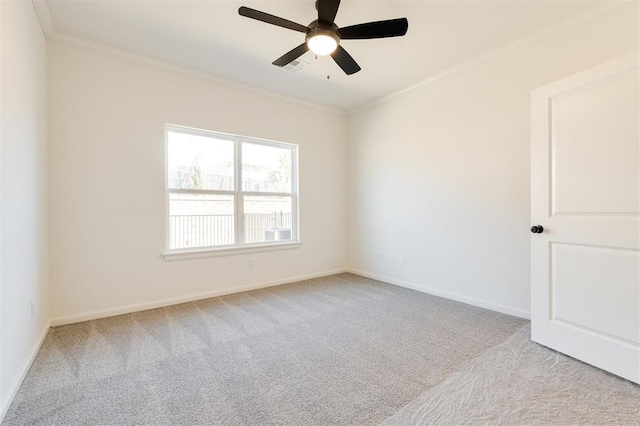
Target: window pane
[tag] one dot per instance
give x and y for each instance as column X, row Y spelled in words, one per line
column 267, row 219
column 199, row 162
column 266, row 168
column 197, row 220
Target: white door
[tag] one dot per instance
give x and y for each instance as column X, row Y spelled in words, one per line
column 585, row 182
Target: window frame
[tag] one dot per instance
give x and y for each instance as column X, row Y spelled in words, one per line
column 238, row 194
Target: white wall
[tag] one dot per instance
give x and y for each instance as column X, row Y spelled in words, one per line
column 441, row 175
column 23, row 193
column 107, row 183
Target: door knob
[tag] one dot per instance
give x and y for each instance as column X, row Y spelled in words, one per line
column 537, row 229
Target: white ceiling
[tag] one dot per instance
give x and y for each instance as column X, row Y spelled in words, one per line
column 210, row 36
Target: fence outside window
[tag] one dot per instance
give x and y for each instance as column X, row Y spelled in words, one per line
column 187, row 231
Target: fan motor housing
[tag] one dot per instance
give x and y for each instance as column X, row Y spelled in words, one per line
column 317, row 28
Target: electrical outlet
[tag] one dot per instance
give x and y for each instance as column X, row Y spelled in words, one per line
column 380, row 257
column 403, row 261
column 250, row 263
column 33, row 308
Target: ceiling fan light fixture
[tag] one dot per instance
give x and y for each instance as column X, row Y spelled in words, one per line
column 322, row 42
column 323, row 35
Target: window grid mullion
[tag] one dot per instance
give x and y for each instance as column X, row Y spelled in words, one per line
column 295, row 220
column 239, row 197
column 200, row 191
column 295, row 225
column 266, row 194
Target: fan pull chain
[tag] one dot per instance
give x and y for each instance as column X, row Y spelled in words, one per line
column 328, row 68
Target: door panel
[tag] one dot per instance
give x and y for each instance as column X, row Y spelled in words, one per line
column 585, row 183
column 595, row 287
column 593, row 128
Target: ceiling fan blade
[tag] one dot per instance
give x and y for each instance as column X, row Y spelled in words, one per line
column 345, row 61
column 271, row 19
column 327, row 10
column 379, row 29
column 291, row 55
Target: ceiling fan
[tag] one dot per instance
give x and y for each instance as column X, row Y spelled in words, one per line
column 323, row 35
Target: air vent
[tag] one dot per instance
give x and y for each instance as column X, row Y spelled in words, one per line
column 295, row 66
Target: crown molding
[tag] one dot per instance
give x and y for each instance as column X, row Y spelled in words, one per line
column 612, row 7
column 44, row 16
column 56, row 37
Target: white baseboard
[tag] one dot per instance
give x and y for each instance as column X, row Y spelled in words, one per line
column 87, row 316
column 447, row 295
column 4, row 408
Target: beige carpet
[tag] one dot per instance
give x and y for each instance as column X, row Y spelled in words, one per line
column 519, row 382
column 336, row 350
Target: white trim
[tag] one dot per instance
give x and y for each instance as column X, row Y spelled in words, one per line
column 226, row 136
column 44, row 16
column 267, row 194
column 23, row 373
column 199, row 191
column 54, row 36
column 104, row 313
column 3, row 408
column 516, row 312
column 238, row 218
column 295, row 185
column 611, row 8
column 185, row 254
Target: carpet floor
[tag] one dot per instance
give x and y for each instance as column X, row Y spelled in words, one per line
column 522, row 383
column 341, row 350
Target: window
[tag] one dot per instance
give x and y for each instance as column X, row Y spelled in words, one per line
column 227, row 191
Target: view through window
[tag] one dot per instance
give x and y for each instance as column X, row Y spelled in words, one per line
column 227, row 190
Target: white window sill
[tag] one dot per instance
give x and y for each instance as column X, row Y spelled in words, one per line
column 227, row 251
